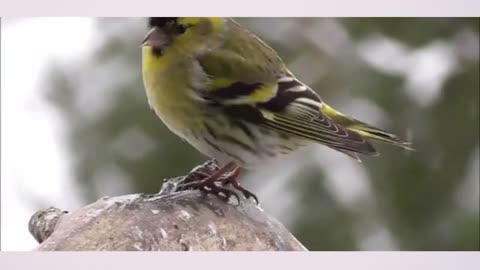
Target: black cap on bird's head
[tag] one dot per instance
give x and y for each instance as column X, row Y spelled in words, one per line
column 161, row 21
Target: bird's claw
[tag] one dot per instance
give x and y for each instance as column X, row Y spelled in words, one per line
column 198, row 179
column 209, row 188
column 246, row 193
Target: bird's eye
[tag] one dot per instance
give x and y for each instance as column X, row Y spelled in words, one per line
column 182, row 28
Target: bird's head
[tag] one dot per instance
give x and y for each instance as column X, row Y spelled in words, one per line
column 186, row 35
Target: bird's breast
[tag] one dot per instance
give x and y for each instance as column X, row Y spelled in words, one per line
column 167, row 85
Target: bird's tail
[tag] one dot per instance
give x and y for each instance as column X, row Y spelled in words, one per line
column 365, row 130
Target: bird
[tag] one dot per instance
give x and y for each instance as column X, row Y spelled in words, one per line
column 222, row 89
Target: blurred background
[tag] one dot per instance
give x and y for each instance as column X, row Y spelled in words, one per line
column 76, row 126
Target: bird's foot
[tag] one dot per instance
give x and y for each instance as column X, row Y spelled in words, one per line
column 206, row 181
column 210, row 187
column 209, row 178
column 233, row 180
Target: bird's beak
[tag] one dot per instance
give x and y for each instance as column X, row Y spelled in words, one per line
column 155, row 38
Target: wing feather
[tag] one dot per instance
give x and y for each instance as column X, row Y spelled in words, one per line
column 297, row 113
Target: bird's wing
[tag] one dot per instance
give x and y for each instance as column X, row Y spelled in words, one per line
column 283, row 104
column 249, row 81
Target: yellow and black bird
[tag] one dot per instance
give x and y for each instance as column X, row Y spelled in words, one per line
column 226, row 92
